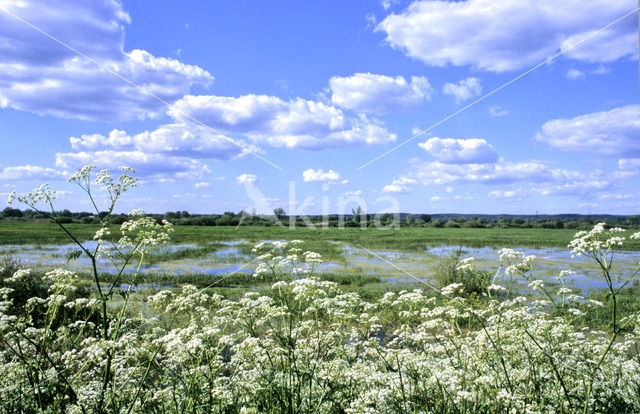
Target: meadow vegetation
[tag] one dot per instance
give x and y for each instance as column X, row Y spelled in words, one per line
column 304, row 342
column 402, row 239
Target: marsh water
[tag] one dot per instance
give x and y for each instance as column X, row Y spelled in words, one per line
column 391, row 266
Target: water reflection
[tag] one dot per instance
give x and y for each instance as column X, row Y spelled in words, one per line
column 392, row 266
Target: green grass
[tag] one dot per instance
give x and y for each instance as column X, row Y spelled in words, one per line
column 235, row 280
column 184, row 253
column 403, row 239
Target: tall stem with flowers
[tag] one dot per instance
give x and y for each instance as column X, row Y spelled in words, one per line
column 137, row 236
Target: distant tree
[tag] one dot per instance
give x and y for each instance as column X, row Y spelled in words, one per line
column 452, row 223
column 573, row 224
column 279, row 212
column 170, row 215
column 634, row 220
column 471, row 224
column 425, row 217
column 438, row 223
column 357, row 215
column 11, row 212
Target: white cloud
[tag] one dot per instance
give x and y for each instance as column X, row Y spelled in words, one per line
column 464, row 90
column 297, row 123
column 356, row 193
column 31, row 172
column 370, row 18
column 247, row 179
column 538, row 177
column 379, row 94
column 460, row 151
column 629, row 164
column 585, row 186
column 510, row 34
column 574, row 74
column 311, row 175
column 501, row 172
column 609, row 133
column 502, row 194
column 618, row 196
column 178, row 139
column 416, row 130
column 497, row 111
column 39, row 75
column 455, row 198
column 399, row 186
column 202, row 185
column 172, row 151
column 394, row 189
column 386, row 4
column 155, row 167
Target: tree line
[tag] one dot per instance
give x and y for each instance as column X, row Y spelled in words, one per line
column 356, row 219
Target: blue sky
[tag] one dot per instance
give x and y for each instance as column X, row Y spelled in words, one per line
column 476, row 106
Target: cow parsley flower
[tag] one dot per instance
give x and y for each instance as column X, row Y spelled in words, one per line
column 465, row 264
column 536, row 285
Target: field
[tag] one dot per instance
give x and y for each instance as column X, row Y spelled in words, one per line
column 403, row 239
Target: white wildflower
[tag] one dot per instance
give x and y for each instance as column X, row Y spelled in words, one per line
column 536, row 285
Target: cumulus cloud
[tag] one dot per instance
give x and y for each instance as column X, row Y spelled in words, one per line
column 31, row 172
column 440, row 173
column 379, row 94
column 297, row 123
column 398, row 186
column 172, row 151
column 394, row 189
column 539, row 177
column 460, row 151
column 311, row 175
column 610, row 133
column 202, row 184
column 247, row 178
column 510, row 34
column 178, row 139
column 464, row 90
column 503, row 194
column 156, row 167
column 40, row 75
column 574, row 74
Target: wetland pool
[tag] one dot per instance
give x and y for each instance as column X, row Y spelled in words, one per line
column 390, row 265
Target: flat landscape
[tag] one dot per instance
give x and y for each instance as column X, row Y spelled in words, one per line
column 327, row 207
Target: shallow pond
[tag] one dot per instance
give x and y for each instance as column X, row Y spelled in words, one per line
column 389, row 265
column 397, row 266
